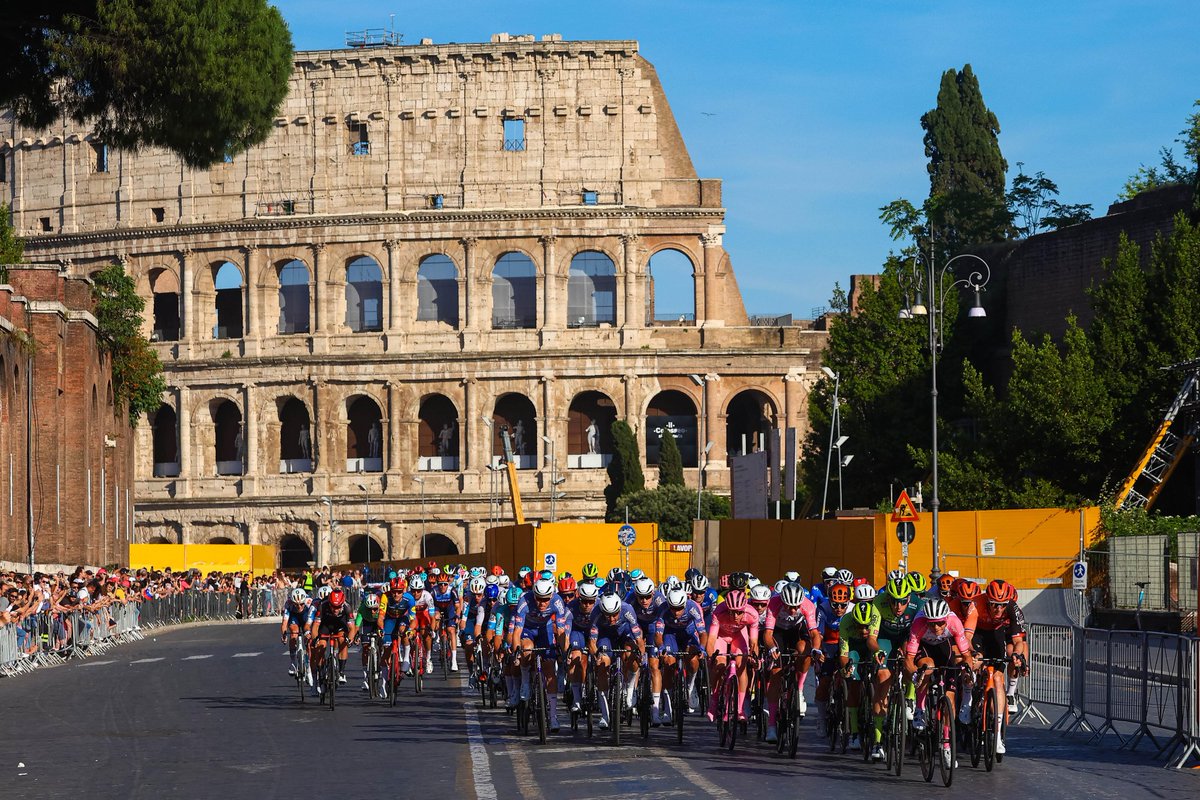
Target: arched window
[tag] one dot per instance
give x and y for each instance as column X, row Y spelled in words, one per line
column 589, row 430
column 591, row 291
column 748, row 420
column 228, row 441
column 364, row 550
column 221, row 540
column 437, row 449
column 159, row 540
column 438, row 544
column 364, row 295
column 166, row 443
column 227, row 280
column 165, row 290
column 437, row 290
column 294, row 553
column 514, row 292
column 295, row 436
column 672, row 413
column 515, row 413
column 670, row 289
column 364, row 436
column 293, row 297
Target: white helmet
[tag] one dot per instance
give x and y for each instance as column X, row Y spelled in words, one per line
column 299, row 596
column 792, row 594
column 676, row 598
column 752, row 581
column 782, row 582
column 644, row 587
column 490, row 580
column 477, row 585
column 416, row 585
column 543, row 588
column 829, row 574
column 505, row 581
column 864, row 593
column 324, row 592
column 760, row 593
column 936, row 609
column 372, row 601
column 700, row 583
column 791, row 576
column 610, row 604
column 588, row 591
column 844, row 576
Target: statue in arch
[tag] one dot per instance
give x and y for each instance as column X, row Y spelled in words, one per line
column 593, row 437
column 374, row 440
column 445, row 439
column 519, row 438
column 304, row 439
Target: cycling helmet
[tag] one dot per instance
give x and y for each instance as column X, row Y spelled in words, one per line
column 723, row 581
column 491, row 592
column 735, row 600
column 431, row 564
column 860, row 582
column 752, row 581
column 779, row 584
column 391, row 574
column 946, row 583
column 599, row 583
column 839, row 593
column 476, row 572
column 491, row 580
column 567, row 585
column 760, row 593
column 299, row 596
column 513, row 596
column 898, row 590
column 589, row 571
column 399, row 584
column 435, row 572
column 614, row 573
column 664, row 587
column 523, row 571
column 966, row 590
column 918, row 582
column 737, row 580
column 372, row 601
column 610, row 604
column 417, row 585
column 543, row 588
column 477, row 585
column 700, row 583
column 791, row 576
column 497, row 570
column 644, row 587
column 588, row 591
column 845, row 576
column 792, row 595
column 829, row 574
column 546, row 575
column 527, row 581
column 677, row 598
column 897, row 575
column 864, row 593
column 337, row 598
column 862, row 613
column 505, row 581
column 691, row 573
column 1000, row 592
column 936, row 610
column 324, row 592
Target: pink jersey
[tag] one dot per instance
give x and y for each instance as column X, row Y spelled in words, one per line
column 779, row 616
column 922, row 631
column 725, row 626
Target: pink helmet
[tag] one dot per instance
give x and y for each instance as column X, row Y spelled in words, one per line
column 735, row 600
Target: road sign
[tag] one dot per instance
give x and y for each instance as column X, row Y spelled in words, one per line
column 906, row 532
column 550, row 561
column 904, row 510
column 626, row 535
column 1079, row 575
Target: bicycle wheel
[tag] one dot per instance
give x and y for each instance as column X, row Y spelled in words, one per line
column 782, row 717
column 643, row 702
column 899, row 729
column 445, row 655
column 331, row 671
column 679, row 702
column 301, row 668
column 703, row 687
column 616, row 685
column 418, row 665
column 720, row 715
column 794, row 718
column 373, row 673
column 946, row 740
column 588, row 703
column 834, row 714
column 393, row 679
column 732, row 710
column 925, row 749
column 989, row 727
column 866, row 724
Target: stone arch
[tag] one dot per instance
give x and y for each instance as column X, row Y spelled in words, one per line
column 591, row 290
column 674, row 411
column 228, row 442
column 295, row 434
column 750, row 413
column 229, row 301
column 438, row 444
column 363, row 277
column 676, row 303
column 436, row 545
column 165, row 435
column 517, row 414
column 294, row 552
column 294, row 279
column 163, row 285
column 587, row 449
column 160, row 540
column 487, row 252
column 364, row 549
column 220, row 540
column 437, row 289
column 514, row 291
column 364, row 434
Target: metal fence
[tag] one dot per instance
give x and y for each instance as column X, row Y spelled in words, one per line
column 1148, row 573
column 1132, row 685
column 52, row 637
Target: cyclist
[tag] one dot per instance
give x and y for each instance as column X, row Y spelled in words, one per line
column 589, row 573
column 681, row 635
column 614, row 628
column 447, row 606
column 920, row 586
column 366, row 621
column 829, row 617
column 733, row 631
column 474, row 613
column 332, row 619
column 500, row 626
column 898, row 606
column 701, row 592
column 791, row 625
column 648, row 605
column 540, row 620
column 945, row 586
column 1001, row 634
column 422, row 624
column 859, row 645
column 936, row 640
column 297, row 616
column 394, row 616
column 580, row 608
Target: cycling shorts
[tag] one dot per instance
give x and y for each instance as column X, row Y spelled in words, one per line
column 578, row 640
column 330, row 627
column 732, row 644
column 423, row 620
column 392, row 627
column 993, row 644
column 541, row 636
column 861, row 654
column 296, row 620
column 449, row 615
column 672, row 645
column 604, row 645
column 938, row 651
column 788, row 639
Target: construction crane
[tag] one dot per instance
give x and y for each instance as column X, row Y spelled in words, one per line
column 1171, row 441
column 510, row 466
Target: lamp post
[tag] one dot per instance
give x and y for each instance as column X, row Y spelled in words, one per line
column 367, row 500
column 702, row 382
column 555, row 480
column 921, row 281
column 700, row 485
column 421, row 482
column 835, row 424
column 320, row 540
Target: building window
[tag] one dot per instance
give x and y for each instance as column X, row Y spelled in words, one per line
column 514, row 135
column 590, row 198
column 437, row 201
column 360, row 139
column 514, row 292
column 437, row 290
column 3, row 167
column 100, row 151
column 364, row 295
column 293, row 297
column 45, row 225
column 159, row 213
column 591, row 291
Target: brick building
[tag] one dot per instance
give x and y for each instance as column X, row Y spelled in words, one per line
column 436, row 243
column 82, row 449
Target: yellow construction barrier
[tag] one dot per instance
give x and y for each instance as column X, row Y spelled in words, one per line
column 256, row 558
column 570, row 545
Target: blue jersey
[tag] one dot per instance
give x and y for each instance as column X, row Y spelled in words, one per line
column 299, row 615
column 625, row 625
column 827, row 623
column 581, row 621
column 686, row 621
column 527, row 613
column 649, row 615
column 816, row 593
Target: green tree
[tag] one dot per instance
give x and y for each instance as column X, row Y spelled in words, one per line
column 673, row 507
column 199, row 78
column 1170, row 171
column 12, row 247
column 670, row 462
column 137, row 372
column 1034, row 206
column 624, row 470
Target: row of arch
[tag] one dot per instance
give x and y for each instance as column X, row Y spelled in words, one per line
column 591, row 293
column 749, row 414
column 296, row 553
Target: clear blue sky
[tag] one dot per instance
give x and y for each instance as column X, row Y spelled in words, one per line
column 816, row 106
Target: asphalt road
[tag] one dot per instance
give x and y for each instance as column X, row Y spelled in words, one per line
column 210, row 711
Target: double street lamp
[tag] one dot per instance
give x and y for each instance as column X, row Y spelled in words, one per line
column 923, row 282
column 835, row 429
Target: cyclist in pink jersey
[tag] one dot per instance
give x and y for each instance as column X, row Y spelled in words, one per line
column 936, row 639
column 791, row 626
column 734, row 630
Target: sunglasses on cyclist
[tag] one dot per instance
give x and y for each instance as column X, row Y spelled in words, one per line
column 839, row 606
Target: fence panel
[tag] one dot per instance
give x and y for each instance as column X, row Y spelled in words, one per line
column 1138, row 572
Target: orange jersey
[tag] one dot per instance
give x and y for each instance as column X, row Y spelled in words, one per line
column 968, row 615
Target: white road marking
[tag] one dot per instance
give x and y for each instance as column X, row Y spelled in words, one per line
column 709, row 788
column 614, row 778
column 96, row 663
column 481, row 769
column 246, row 655
column 146, row 660
column 524, row 774
column 197, row 658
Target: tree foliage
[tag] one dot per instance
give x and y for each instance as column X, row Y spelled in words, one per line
column 673, row 507
column 1033, row 203
column 670, row 462
column 1170, row 171
column 12, row 247
column 199, row 78
column 136, row 370
column 624, row 470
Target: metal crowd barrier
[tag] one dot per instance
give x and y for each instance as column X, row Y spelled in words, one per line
column 1134, row 685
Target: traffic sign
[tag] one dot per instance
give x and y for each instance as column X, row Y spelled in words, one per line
column 550, row 561
column 1079, row 575
column 904, row 510
column 626, row 535
column 906, row 532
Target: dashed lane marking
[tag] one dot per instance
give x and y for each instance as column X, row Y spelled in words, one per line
column 96, row 663
column 709, row 788
column 481, row 769
column 197, row 658
column 146, row 661
column 246, row 655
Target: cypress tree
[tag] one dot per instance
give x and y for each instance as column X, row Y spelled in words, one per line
column 625, row 469
column 670, row 462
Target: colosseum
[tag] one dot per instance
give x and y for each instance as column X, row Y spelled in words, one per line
column 438, row 243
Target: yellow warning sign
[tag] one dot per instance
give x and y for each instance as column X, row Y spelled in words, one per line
column 904, row 510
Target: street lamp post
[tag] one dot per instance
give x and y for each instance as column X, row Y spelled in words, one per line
column 835, row 425
column 700, row 483
column 702, row 382
column 320, row 538
column 920, row 281
column 421, row 482
column 555, row 481
column 367, row 511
